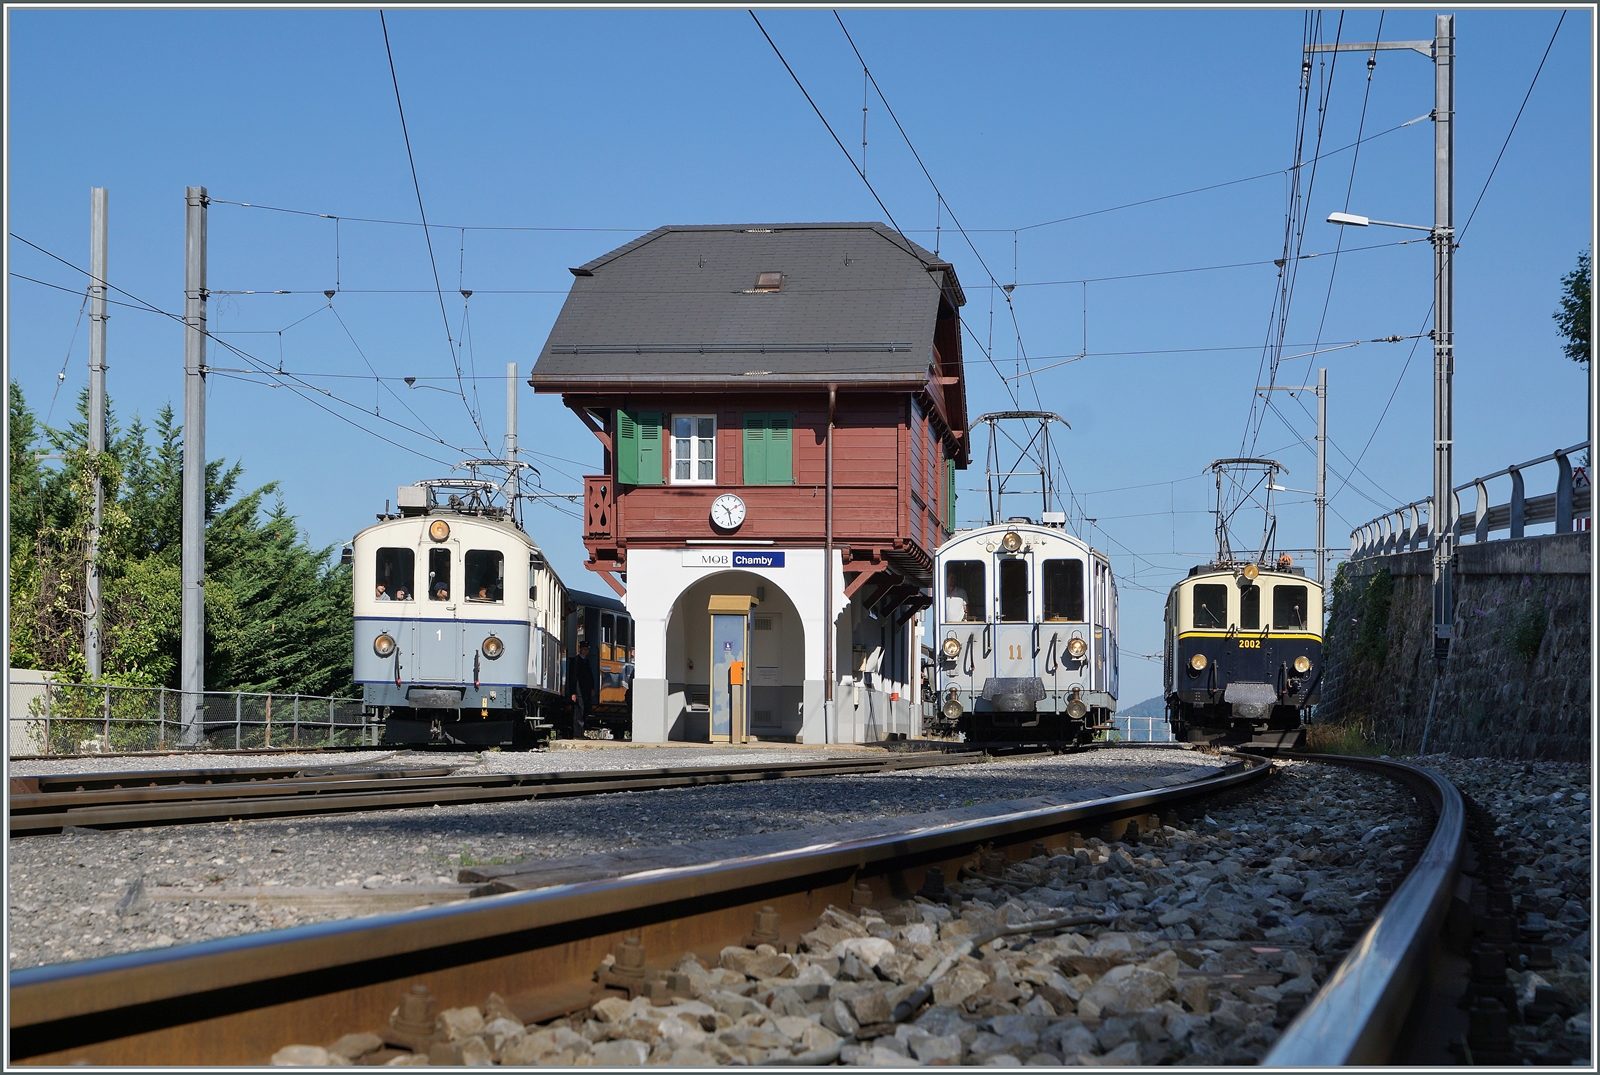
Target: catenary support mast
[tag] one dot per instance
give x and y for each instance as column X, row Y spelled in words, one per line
column 194, row 464
column 98, row 227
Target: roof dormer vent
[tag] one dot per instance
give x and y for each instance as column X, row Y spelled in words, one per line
column 769, row 281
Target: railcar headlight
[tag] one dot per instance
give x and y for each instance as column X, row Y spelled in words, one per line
column 383, row 645
column 1077, row 647
column 1076, row 709
column 952, row 647
column 1302, row 664
column 1250, row 572
column 439, row 530
column 1198, row 662
column 493, row 647
column 951, row 709
column 1011, row 542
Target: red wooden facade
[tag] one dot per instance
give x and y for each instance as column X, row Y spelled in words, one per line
column 890, row 491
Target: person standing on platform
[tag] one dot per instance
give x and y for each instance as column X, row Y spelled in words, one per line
column 580, row 687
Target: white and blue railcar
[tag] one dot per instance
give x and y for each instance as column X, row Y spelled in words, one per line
column 1026, row 648
column 458, row 623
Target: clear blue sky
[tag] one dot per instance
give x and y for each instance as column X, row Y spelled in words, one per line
column 601, row 125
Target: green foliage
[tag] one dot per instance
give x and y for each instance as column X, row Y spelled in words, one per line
column 1572, row 315
column 1372, row 638
column 1526, row 630
column 278, row 612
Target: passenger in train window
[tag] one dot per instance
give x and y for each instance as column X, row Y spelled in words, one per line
column 400, row 595
column 383, row 594
column 963, row 590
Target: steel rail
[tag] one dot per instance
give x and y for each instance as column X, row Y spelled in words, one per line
column 1356, row 1017
column 236, row 1000
column 33, row 814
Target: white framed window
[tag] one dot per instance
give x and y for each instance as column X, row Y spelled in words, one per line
column 694, row 449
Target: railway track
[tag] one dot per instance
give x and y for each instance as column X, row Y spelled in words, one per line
column 239, row 1000
column 47, row 804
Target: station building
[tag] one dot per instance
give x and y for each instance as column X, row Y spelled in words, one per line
column 780, row 411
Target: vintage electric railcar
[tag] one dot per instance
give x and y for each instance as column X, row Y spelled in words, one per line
column 604, row 623
column 1243, row 649
column 1026, row 649
column 458, row 621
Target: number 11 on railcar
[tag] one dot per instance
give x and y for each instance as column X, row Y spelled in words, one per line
column 1026, row 647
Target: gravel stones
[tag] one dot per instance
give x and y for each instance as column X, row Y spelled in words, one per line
column 1543, row 817
column 1274, row 884
column 64, row 890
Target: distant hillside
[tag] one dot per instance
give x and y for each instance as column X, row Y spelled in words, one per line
column 1150, row 707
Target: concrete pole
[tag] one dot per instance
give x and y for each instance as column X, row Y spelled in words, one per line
column 1443, row 523
column 98, row 203
column 829, row 635
column 1322, row 479
column 192, row 663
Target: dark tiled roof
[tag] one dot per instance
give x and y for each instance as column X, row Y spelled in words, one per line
column 857, row 304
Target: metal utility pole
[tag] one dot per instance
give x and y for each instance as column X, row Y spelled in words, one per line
column 1442, row 523
column 193, row 671
column 1321, row 389
column 97, row 422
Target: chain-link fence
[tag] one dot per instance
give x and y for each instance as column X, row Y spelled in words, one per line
column 79, row 718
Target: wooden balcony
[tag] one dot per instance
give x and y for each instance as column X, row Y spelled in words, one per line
column 599, row 509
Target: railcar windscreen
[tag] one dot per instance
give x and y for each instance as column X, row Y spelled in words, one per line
column 1210, row 607
column 396, row 569
column 1013, row 591
column 1250, row 608
column 963, row 591
column 1063, row 590
column 486, row 575
column 1289, row 608
column 439, row 574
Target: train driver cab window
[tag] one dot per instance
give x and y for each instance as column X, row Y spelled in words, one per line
column 486, row 575
column 1210, row 607
column 1013, row 591
column 694, row 449
column 1289, row 608
column 1250, row 608
column 438, row 574
column 963, row 591
column 1063, row 590
column 608, row 635
column 396, row 570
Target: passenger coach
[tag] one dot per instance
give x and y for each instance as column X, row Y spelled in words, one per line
column 1027, row 635
column 458, row 621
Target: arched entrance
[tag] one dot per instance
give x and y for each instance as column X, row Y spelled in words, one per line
column 776, row 659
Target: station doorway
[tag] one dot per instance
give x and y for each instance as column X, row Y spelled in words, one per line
column 773, row 648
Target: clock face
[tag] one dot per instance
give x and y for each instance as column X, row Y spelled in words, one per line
column 727, row 511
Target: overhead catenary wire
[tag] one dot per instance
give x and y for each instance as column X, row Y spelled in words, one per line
column 855, row 168
column 426, row 234
column 939, row 194
column 265, row 367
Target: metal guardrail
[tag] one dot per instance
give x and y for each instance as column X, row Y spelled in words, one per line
column 1404, row 529
column 1357, row 1016
column 82, row 718
column 1143, row 729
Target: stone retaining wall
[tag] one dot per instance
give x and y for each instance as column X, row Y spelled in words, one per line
column 1517, row 682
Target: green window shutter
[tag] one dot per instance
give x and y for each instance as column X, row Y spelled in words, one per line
column 649, row 447
column 755, row 448
column 780, row 449
column 638, row 447
column 627, row 448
